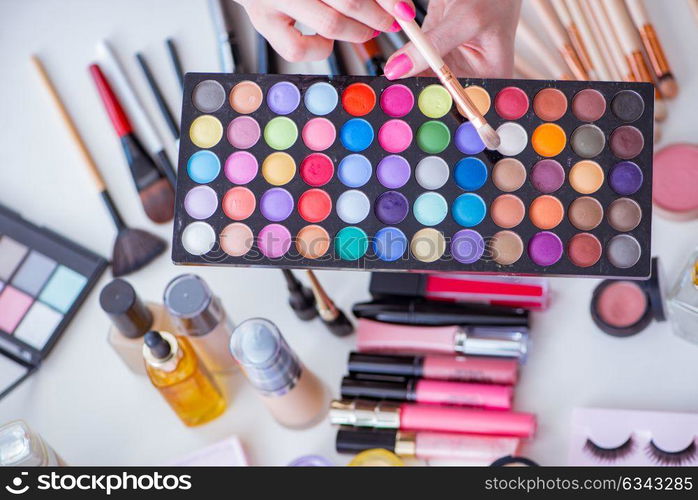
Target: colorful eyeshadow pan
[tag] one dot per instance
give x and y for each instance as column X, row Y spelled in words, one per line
column 312, row 242
column 241, row 167
column 12, row 254
column 470, row 174
column 358, row 99
column 317, row 169
column 397, row 100
column 38, row 325
column 434, row 101
column 63, row 288
column 392, row 207
column 393, row 171
column 13, row 306
column 358, row 172
column 395, row 136
column 511, row 103
column 33, row 273
column 319, row 134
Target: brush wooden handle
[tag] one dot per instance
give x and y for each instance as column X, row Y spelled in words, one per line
column 70, row 125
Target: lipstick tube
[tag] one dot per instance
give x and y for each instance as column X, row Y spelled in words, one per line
column 457, row 368
column 473, row 450
column 500, row 341
column 494, row 397
column 412, row 417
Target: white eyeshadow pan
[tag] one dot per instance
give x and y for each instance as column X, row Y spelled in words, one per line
column 38, row 325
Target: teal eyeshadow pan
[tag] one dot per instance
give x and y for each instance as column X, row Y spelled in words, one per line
column 45, row 279
column 388, row 169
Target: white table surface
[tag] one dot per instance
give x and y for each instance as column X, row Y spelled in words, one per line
column 93, row 411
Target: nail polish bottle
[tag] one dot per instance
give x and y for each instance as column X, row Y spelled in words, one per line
column 131, row 318
column 682, row 301
column 301, row 298
column 199, row 315
column 183, row 381
column 20, row 446
column 293, row 394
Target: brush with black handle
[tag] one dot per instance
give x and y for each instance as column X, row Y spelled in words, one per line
column 133, row 248
column 155, row 191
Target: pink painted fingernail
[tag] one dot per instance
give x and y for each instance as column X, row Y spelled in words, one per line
column 398, row 66
column 375, row 34
column 395, row 27
column 404, row 11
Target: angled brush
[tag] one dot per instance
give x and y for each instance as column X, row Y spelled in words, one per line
column 133, row 248
column 155, row 191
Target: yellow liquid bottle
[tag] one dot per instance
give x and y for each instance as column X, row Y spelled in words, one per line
column 181, row 378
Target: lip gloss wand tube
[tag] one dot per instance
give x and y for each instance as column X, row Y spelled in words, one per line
column 501, row 341
column 409, row 417
column 458, row 368
column 473, row 450
column 440, row 392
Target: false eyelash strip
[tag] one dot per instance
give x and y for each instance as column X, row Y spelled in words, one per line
column 609, row 455
column 671, row 458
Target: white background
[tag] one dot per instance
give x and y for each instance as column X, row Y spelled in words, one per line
column 93, row 411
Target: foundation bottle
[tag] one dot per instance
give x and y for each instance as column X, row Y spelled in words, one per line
column 293, row 394
column 199, row 315
column 183, row 381
column 131, row 319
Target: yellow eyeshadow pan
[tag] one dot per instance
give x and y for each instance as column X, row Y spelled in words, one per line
column 351, row 172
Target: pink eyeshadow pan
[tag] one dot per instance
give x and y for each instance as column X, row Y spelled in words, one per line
column 274, row 241
column 319, row 134
column 397, row 101
column 241, row 167
column 395, row 136
column 243, row 132
column 13, row 306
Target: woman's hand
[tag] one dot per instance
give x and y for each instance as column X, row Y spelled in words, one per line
column 475, row 38
column 348, row 20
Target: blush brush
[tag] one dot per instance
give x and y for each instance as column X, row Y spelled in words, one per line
column 133, row 248
column 155, row 191
column 465, row 105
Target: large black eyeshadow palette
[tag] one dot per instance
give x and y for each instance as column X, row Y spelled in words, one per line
column 352, row 172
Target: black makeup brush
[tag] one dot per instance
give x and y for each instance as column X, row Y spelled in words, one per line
column 155, row 191
column 133, row 248
column 301, row 298
column 333, row 317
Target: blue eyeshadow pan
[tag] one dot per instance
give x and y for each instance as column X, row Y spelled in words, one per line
column 63, row 288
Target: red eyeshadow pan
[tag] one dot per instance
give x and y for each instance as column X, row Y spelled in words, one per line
column 358, row 99
column 511, row 103
column 315, row 205
column 317, row 170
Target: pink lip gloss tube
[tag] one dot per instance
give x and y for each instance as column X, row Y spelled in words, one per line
column 460, row 368
column 412, row 417
column 495, row 397
column 499, row 341
column 469, row 449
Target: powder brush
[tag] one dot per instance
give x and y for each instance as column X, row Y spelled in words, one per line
column 133, row 248
column 465, row 106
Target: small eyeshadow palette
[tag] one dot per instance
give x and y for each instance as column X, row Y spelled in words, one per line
column 362, row 173
column 44, row 278
column 633, row 438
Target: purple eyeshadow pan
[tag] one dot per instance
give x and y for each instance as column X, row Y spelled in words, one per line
column 545, row 248
column 467, row 246
column 393, row 171
column 626, row 178
column 283, row 98
column 547, row 176
column 391, row 207
column 467, row 139
column 276, row 204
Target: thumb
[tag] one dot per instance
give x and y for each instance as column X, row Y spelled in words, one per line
column 408, row 61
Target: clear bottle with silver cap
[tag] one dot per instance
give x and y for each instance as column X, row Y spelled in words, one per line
column 200, row 315
column 292, row 393
column 682, row 301
column 20, row 446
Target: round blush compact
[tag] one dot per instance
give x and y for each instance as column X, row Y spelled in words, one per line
column 624, row 308
column 675, row 171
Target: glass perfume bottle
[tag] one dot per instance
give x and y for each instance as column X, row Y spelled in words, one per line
column 181, row 378
column 131, row 319
column 682, row 301
column 20, row 446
